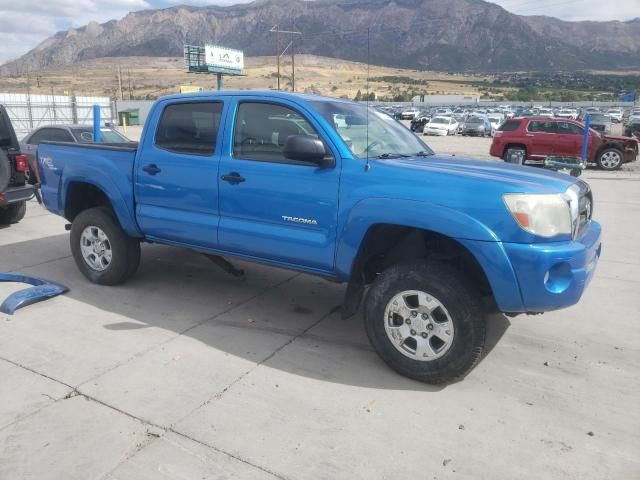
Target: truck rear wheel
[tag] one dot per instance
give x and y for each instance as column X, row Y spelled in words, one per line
column 425, row 322
column 103, row 252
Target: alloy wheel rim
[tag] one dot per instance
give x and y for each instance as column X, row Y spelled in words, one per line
column 418, row 325
column 96, row 249
column 610, row 159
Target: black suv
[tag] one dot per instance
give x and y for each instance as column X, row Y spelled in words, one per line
column 15, row 185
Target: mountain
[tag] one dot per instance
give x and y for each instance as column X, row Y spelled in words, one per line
column 455, row 35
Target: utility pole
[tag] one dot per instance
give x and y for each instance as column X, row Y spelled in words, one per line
column 120, row 81
column 53, row 106
column 276, row 29
column 129, row 78
column 293, row 65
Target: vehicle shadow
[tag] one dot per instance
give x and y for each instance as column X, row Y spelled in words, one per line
column 180, row 290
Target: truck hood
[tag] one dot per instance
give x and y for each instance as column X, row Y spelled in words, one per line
column 502, row 177
column 471, row 189
column 619, row 138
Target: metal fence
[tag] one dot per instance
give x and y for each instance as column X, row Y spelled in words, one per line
column 31, row 111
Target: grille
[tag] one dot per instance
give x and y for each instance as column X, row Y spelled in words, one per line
column 585, row 208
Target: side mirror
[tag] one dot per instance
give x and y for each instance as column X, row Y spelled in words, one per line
column 305, row 148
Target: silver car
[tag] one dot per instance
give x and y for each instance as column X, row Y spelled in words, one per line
column 67, row 133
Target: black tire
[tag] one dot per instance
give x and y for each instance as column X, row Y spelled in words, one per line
column 604, row 159
column 13, row 213
column 5, row 171
column 125, row 249
column 462, row 303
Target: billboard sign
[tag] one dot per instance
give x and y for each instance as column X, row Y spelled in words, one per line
column 224, row 58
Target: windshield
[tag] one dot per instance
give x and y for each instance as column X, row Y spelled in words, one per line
column 85, row 135
column 474, row 121
column 440, row 120
column 386, row 137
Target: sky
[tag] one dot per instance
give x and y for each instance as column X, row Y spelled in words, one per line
column 25, row 23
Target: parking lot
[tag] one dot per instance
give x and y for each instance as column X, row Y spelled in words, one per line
column 188, row 373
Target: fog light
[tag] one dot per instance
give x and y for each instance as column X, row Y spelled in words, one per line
column 558, row 278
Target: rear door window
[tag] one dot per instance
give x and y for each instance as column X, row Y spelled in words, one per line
column 542, row 127
column 190, row 128
column 50, row 135
column 510, row 126
column 567, row 128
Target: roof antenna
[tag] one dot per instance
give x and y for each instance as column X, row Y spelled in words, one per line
column 367, row 165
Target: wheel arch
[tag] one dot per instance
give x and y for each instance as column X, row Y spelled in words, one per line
column 515, row 145
column 81, row 195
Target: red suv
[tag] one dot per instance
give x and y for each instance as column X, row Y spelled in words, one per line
column 543, row 136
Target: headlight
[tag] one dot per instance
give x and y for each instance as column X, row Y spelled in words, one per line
column 545, row 215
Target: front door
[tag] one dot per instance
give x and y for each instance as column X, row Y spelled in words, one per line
column 568, row 140
column 176, row 177
column 272, row 207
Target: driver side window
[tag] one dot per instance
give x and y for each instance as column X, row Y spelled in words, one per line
column 261, row 131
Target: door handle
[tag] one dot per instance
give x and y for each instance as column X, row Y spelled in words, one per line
column 233, row 178
column 530, row 135
column 151, row 169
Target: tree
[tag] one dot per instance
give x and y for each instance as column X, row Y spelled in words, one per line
column 358, row 96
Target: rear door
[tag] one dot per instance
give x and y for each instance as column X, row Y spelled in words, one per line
column 568, row 140
column 271, row 207
column 541, row 136
column 176, row 177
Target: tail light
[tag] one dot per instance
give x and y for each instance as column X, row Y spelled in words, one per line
column 22, row 163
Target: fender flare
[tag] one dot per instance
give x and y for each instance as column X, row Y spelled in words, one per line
column 407, row 213
column 40, row 290
column 119, row 204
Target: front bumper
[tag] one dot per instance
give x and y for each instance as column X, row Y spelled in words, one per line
column 438, row 133
column 555, row 275
column 16, row 194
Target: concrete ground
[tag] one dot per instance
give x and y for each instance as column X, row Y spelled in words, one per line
column 187, row 373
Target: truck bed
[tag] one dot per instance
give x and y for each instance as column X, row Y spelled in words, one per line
column 107, row 166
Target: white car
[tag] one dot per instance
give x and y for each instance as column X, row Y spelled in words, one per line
column 495, row 121
column 567, row 113
column 409, row 114
column 615, row 114
column 443, row 112
column 546, row 112
column 441, row 126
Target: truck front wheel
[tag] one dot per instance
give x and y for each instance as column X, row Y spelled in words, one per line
column 103, row 252
column 425, row 322
column 610, row 159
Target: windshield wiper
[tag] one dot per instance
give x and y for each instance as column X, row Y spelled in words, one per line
column 424, row 153
column 392, row 155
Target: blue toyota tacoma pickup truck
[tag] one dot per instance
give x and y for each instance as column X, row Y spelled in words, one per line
column 332, row 188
